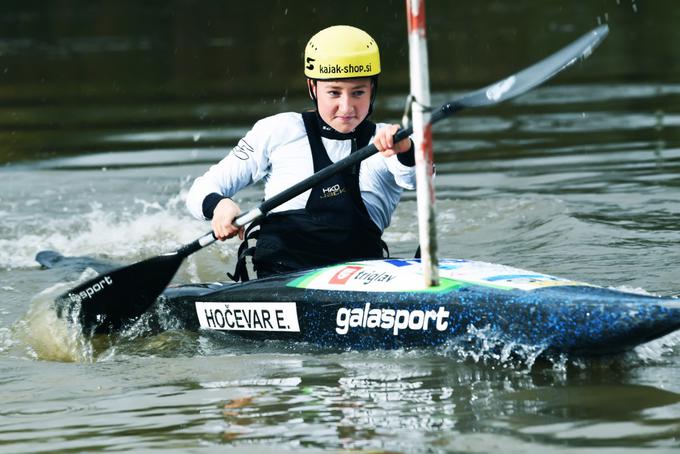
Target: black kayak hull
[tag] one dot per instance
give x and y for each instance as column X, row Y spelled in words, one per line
column 381, row 304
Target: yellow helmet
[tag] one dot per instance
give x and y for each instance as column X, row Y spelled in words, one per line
column 341, row 52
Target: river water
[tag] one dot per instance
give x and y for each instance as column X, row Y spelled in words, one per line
column 108, row 112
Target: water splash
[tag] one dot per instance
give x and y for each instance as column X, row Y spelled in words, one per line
column 45, row 336
column 147, row 227
column 487, row 346
column 658, row 350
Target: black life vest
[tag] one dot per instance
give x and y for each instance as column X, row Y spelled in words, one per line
column 333, row 227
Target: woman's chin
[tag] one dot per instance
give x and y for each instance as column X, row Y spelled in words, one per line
column 344, row 127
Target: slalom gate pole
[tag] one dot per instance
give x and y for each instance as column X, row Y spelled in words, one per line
column 422, row 139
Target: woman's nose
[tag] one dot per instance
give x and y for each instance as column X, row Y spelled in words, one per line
column 344, row 103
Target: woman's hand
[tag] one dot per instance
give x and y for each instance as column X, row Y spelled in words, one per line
column 385, row 144
column 223, row 217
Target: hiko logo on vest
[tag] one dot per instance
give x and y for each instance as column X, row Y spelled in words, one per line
column 332, row 191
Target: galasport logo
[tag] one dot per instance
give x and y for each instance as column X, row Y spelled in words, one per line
column 345, row 69
column 332, row 191
column 91, row 290
column 394, row 320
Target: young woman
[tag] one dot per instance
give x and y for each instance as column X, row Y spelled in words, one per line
column 343, row 217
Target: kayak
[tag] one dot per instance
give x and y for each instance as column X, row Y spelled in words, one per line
column 383, row 304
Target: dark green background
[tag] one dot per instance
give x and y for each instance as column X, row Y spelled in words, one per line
column 72, row 71
column 119, row 50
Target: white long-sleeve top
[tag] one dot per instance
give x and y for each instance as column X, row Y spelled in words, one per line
column 277, row 151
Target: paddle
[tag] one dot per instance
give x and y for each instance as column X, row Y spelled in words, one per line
column 113, row 300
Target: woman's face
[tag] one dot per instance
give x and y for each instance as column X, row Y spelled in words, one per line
column 344, row 103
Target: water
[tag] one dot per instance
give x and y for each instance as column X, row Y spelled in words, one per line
column 109, row 113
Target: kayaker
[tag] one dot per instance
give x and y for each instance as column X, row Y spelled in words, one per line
column 341, row 218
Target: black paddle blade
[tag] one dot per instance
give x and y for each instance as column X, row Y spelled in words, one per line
column 115, row 299
column 527, row 78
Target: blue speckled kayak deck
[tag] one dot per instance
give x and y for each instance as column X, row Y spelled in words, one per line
column 383, row 304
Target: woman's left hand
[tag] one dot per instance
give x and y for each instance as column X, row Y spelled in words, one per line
column 384, row 141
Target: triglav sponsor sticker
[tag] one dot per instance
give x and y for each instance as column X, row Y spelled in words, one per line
column 377, row 276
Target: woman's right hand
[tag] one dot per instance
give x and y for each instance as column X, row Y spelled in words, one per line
column 223, row 217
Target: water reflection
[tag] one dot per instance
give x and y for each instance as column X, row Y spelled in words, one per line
column 351, row 403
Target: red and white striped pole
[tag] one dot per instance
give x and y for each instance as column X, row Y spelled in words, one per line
column 422, row 138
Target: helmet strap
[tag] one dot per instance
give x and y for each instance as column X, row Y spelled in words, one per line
column 311, row 86
column 374, row 92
